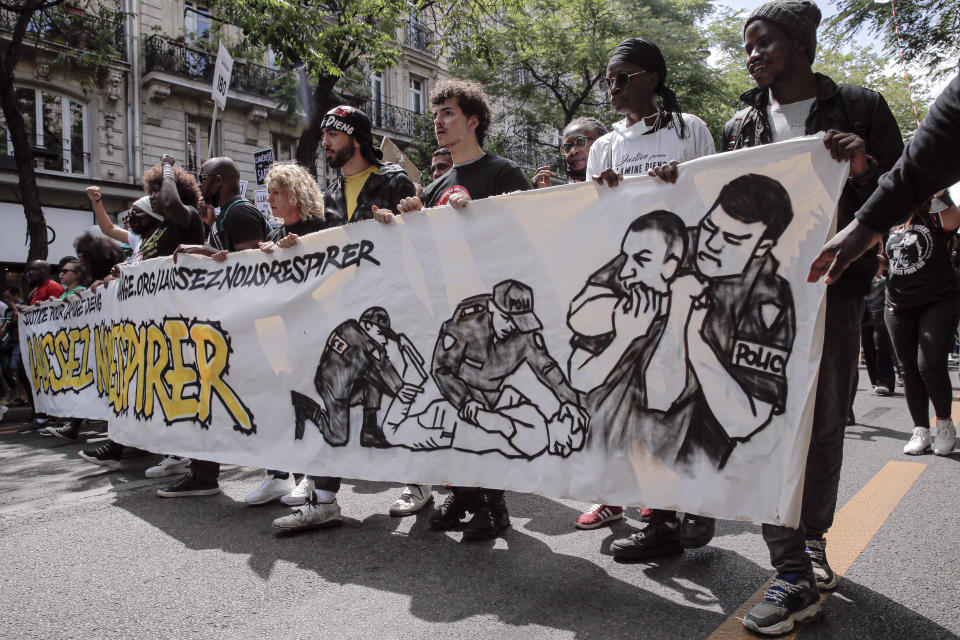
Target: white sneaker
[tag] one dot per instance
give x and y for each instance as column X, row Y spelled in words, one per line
column 300, row 493
column 945, row 439
column 270, row 489
column 413, row 498
column 919, row 441
column 169, row 466
column 312, row 515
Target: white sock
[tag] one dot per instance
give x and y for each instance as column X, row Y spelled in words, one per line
column 325, row 497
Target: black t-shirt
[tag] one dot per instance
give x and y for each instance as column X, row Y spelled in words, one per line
column 920, row 270
column 301, row 228
column 239, row 221
column 489, row 175
column 169, row 235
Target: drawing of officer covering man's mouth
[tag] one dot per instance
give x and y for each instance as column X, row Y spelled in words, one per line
column 713, row 372
column 488, row 338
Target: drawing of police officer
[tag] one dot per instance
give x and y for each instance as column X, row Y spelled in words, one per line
column 355, row 369
column 488, row 338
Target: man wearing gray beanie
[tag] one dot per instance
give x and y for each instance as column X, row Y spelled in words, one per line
column 790, row 100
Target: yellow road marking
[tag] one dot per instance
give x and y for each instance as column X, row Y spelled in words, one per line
column 853, row 528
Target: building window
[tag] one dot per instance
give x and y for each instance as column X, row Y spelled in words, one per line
column 416, row 95
column 284, row 147
column 198, row 142
column 377, row 98
column 197, row 21
column 60, row 140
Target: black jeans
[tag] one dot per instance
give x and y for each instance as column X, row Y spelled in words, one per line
column 878, row 352
column 838, row 366
column 326, row 483
column 922, row 337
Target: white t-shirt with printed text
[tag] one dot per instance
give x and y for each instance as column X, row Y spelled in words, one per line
column 634, row 150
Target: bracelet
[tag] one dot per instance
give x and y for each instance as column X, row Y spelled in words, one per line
column 168, row 172
column 98, row 200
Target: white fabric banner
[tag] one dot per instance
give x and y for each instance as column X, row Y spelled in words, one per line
column 651, row 344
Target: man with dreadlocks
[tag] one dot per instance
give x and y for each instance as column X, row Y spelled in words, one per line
column 653, row 131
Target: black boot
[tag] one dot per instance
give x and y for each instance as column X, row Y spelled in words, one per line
column 454, row 508
column 490, row 519
column 371, row 435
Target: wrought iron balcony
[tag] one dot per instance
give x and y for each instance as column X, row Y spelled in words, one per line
column 188, row 61
column 417, row 35
column 388, row 117
column 75, row 31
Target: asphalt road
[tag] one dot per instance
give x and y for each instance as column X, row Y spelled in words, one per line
column 90, row 553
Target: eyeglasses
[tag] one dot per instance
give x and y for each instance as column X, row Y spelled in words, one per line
column 622, row 79
column 579, row 142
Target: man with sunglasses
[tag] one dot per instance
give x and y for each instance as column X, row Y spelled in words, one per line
column 653, row 131
column 71, row 277
column 578, row 137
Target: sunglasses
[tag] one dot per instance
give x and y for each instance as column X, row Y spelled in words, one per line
column 622, row 79
column 579, row 142
column 67, row 271
column 202, row 177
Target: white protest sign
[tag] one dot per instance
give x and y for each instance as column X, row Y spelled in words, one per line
column 243, row 188
column 653, row 344
column 221, row 77
column 260, row 199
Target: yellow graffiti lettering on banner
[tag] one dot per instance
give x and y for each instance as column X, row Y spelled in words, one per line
column 55, row 365
column 178, row 366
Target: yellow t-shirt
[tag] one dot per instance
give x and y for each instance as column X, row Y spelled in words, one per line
column 354, row 184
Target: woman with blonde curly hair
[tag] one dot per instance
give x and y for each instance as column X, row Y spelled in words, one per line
column 295, row 199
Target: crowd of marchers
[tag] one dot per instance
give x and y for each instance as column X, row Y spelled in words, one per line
column 893, row 297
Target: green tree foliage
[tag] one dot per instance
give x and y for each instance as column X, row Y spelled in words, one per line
column 928, row 28
column 82, row 43
column 328, row 45
column 545, row 57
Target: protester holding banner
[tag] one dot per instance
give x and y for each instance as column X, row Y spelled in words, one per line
column 71, row 277
column 239, row 226
column 365, row 186
column 461, row 117
column 296, row 200
column 578, row 138
column 159, row 222
column 653, row 131
column 790, row 100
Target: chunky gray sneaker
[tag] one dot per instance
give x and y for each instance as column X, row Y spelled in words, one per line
column 817, row 552
column 312, row 515
column 789, row 599
column 945, row 438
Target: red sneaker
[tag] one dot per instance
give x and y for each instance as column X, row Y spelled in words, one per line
column 598, row 515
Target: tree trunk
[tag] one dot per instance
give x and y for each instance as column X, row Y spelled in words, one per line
column 22, row 145
column 312, row 134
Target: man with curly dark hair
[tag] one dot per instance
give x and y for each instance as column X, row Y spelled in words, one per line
column 461, row 118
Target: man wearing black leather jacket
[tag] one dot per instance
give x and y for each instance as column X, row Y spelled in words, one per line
column 365, row 181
